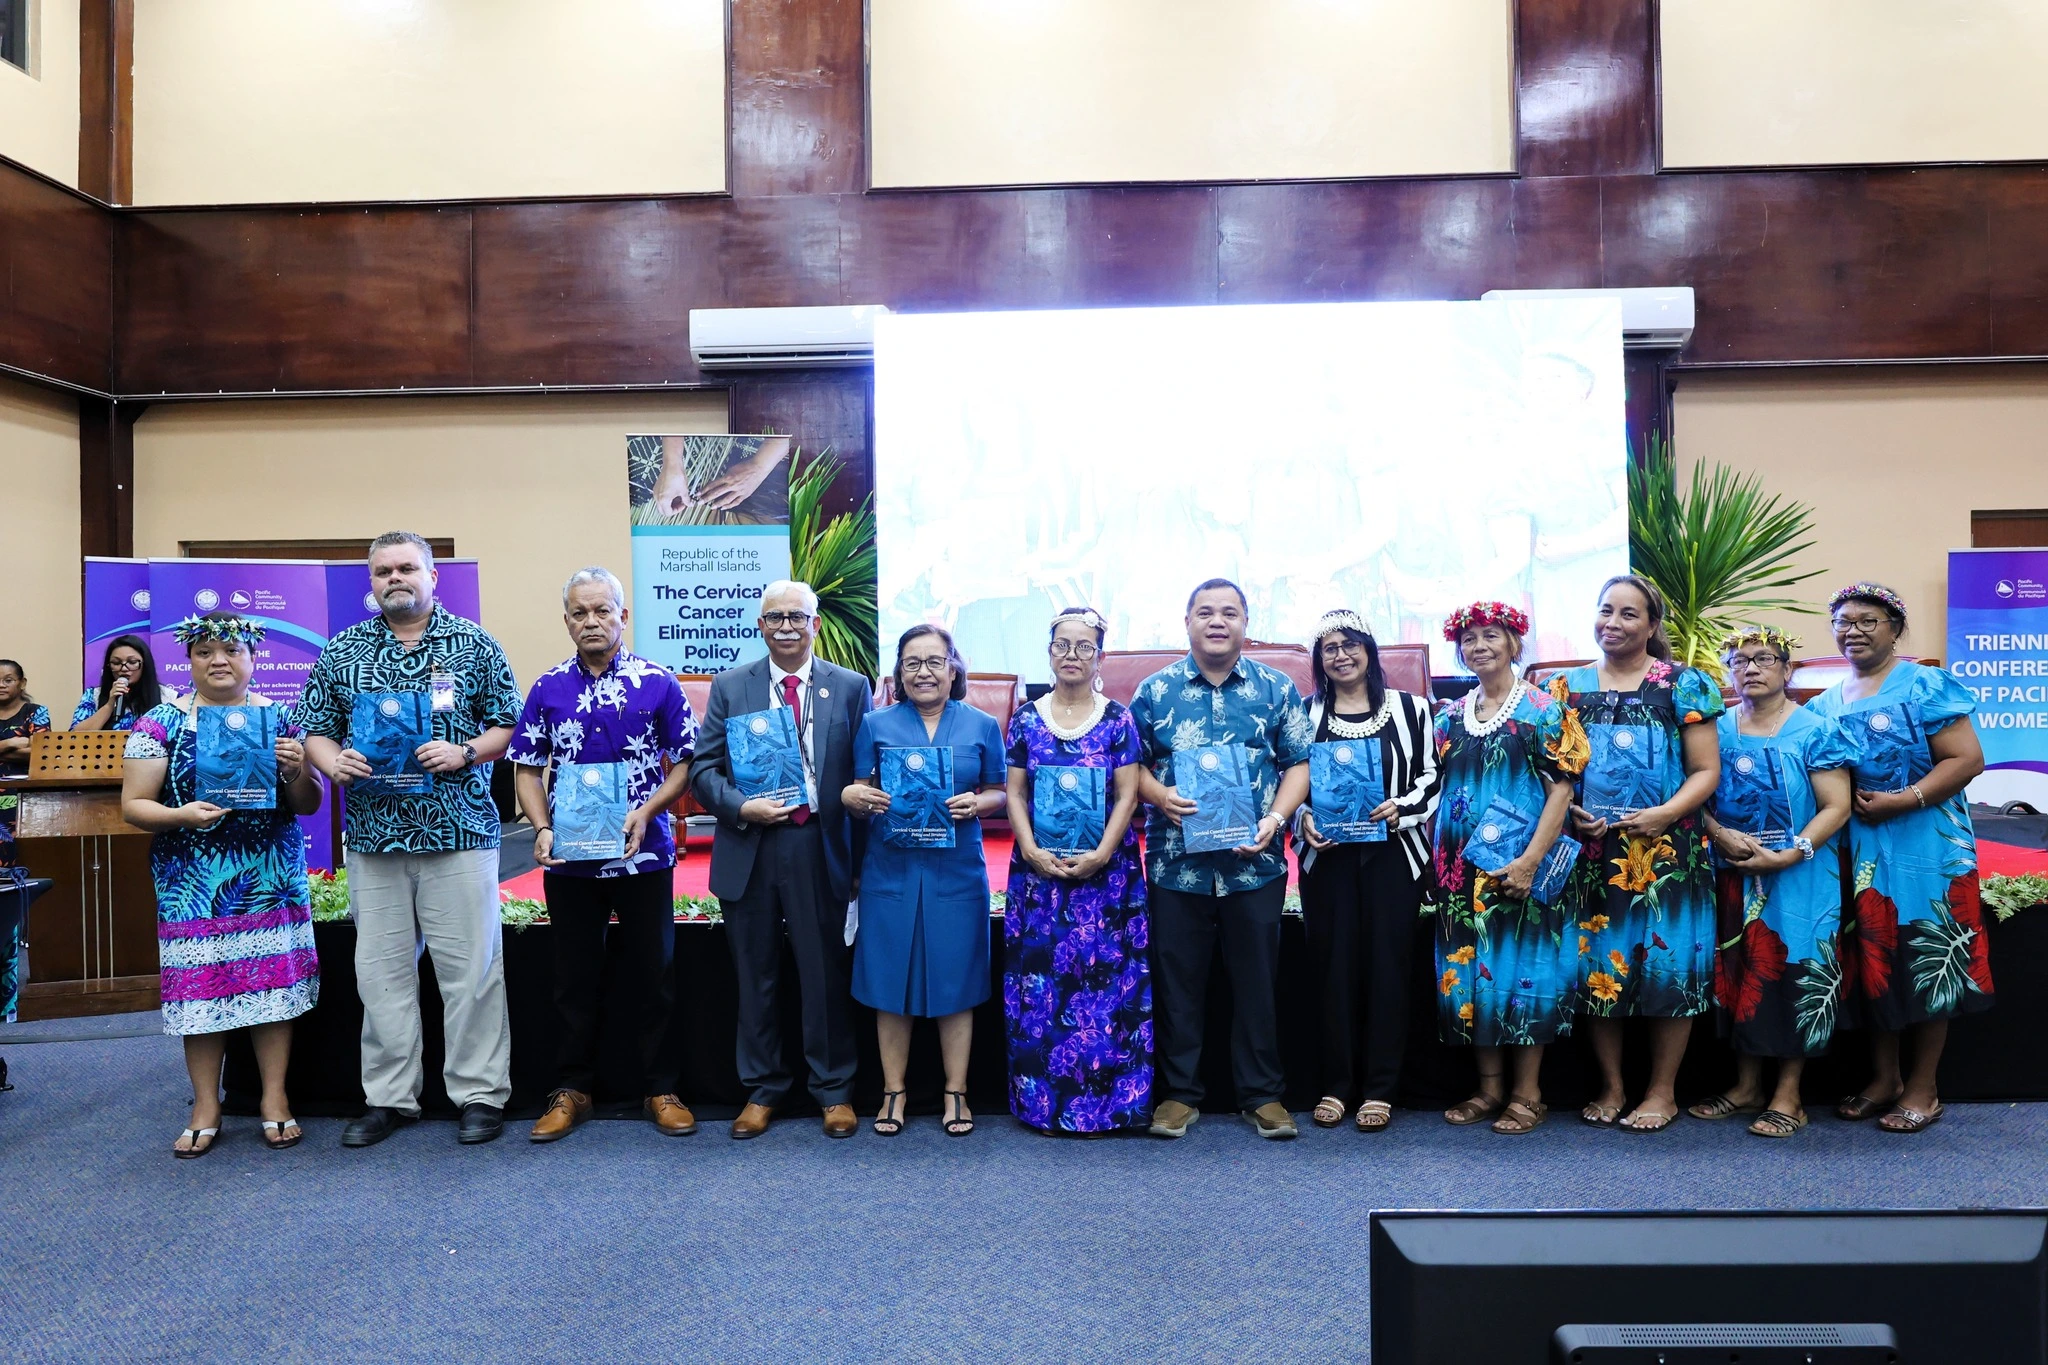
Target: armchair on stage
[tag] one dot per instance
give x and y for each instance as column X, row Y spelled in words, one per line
column 90, row 943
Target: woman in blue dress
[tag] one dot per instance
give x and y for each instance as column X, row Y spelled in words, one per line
column 1645, row 887
column 1920, row 954
column 128, row 688
column 922, row 945
column 1506, row 980
column 1077, row 985
column 1784, row 796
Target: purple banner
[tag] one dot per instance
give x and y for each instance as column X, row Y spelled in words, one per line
column 349, row 599
column 1998, row 648
column 116, row 603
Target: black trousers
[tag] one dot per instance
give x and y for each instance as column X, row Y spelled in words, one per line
column 1359, row 906
column 789, row 895
column 581, row 909
column 1185, row 930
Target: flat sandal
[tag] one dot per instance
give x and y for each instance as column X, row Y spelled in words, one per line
column 1329, row 1112
column 1374, row 1116
column 195, row 1151
column 888, row 1123
column 1478, row 1109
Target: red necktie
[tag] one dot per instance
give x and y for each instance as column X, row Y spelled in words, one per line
column 796, row 715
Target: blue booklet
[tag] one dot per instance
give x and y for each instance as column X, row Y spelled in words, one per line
column 1503, row 834
column 919, row 781
column 1891, row 746
column 1217, row 778
column 387, row 728
column 1625, row 773
column 1346, row 783
column 767, row 759
column 236, row 763
column 1752, row 798
column 1069, row 810
column 589, row 805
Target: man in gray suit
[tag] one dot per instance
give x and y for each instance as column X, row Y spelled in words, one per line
column 787, row 869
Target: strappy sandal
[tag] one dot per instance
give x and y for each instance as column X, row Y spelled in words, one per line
column 273, row 1133
column 1478, row 1109
column 960, row 1125
column 1374, row 1116
column 192, row 1136
column 1856, row 1108
column 1521, row 1117
column 1721, row 1107
column 1904, row 1120
column 1600, row 1115
column 1329, row 1112
column 889, row 1123
column 1651, row 1123
column 1776, row 1123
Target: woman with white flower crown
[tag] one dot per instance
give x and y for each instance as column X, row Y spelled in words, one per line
column 1506, row 982
column 1361, row 886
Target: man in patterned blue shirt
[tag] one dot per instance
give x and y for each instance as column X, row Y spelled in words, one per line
column 608, row 712
column 421, row 865
column 1217, row 696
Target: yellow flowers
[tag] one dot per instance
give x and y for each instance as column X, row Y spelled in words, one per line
column 1595, row 924
column 1584, row 943
column 1638, row 870
column 1604, row 987
column 1620, row 962
column 1465, row 1012
column 1449, row 982
column 1572, row 750
column 1482, row 888
column 1463, row 955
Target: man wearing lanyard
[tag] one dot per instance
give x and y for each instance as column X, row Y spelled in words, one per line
column 421, row 865
column 609, row 719
column 782, row 869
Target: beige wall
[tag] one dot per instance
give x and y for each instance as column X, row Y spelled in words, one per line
column 40, row 619
column 532, row 488
column 240, row 101
column 1808, row 82
column 968, row 92
column 1893, row 460
column 39, row 108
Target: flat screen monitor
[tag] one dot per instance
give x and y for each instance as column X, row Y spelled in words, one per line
column 1954, row 1287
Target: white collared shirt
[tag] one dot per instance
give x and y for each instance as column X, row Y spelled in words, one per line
column 776, row 674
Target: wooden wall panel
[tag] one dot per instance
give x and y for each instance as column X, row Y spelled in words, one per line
column 56, row 282
column 256, row 300
column 798, row 103
column 106, row 99
column 822, row 409
column 1586, row 90
column 2016, row 231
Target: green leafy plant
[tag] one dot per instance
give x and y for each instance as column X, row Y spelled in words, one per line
column 2007, row 896
column 329, row 895
column 837, row 558
column 1719, row 549
column 521, row 912
column 699, row 910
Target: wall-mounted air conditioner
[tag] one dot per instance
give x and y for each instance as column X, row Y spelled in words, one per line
column 1651, row 319
column 783, row 338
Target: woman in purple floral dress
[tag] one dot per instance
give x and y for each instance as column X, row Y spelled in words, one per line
column 1077, row 990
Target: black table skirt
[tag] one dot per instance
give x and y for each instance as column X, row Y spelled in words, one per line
column 1992, row 1056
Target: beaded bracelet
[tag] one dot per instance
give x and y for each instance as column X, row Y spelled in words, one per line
column 1920, row 796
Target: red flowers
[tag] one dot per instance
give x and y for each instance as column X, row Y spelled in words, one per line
column 1877, row 938
column 1763, row 961
column 1965, row 903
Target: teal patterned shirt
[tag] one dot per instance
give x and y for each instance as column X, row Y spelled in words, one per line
column 1258, row 707
column 457, row 813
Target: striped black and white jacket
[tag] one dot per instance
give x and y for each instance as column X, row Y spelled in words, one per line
column 1412, row 776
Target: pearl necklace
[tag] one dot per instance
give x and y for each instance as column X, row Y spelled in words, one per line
column 1360, row 729
column 1478, row 728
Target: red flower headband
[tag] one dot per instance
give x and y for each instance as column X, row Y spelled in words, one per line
column 1485, row 614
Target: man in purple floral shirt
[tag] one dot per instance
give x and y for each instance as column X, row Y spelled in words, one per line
column 609, row 717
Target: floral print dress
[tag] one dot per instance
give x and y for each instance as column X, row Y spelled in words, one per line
column 1077, row 989
column 1505, row 975
column 1917, row 949
column 31, row 719
column 1645, row 906
column 1778, row 974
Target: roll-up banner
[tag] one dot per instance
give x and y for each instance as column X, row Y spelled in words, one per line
column 116, row 603
column 1998, row 648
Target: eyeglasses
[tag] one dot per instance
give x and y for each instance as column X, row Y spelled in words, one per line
column 932, row 666
column 1744, row 662
column 1069, row 649
column 1860, row 625
column 778, row 619
column 1342, row 649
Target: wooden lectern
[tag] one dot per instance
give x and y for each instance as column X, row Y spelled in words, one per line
column 90, row 944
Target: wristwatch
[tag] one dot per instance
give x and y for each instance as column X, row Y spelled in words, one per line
column 469, row 761
column 1804, row 845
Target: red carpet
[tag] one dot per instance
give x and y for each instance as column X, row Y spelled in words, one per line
column 2008, row 860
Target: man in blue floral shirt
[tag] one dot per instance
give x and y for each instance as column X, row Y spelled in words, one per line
column 421, row 865
column 610, row 713
column 1217, row 696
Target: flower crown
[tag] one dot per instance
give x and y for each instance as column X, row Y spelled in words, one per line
column 1485, row 614
column 1871, row 592
column 1743, row 636
column 1087, row 616
column 1341, row 619
column 227, row 629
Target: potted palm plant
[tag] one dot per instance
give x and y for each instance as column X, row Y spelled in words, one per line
column 837, row 558
column 1719, row 549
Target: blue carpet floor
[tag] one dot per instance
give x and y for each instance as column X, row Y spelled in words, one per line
column 617, row 1242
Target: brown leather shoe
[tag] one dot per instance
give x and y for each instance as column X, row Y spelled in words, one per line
column 839, row 1121
column 752, row 1122
column 670, row 1115
column 566, row 1109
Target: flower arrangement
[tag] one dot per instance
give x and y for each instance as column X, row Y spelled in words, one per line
column 2007, row 896
column 329, row 901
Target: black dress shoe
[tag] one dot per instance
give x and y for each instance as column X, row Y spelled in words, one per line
column 376, row 1124
column 480, row 1123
